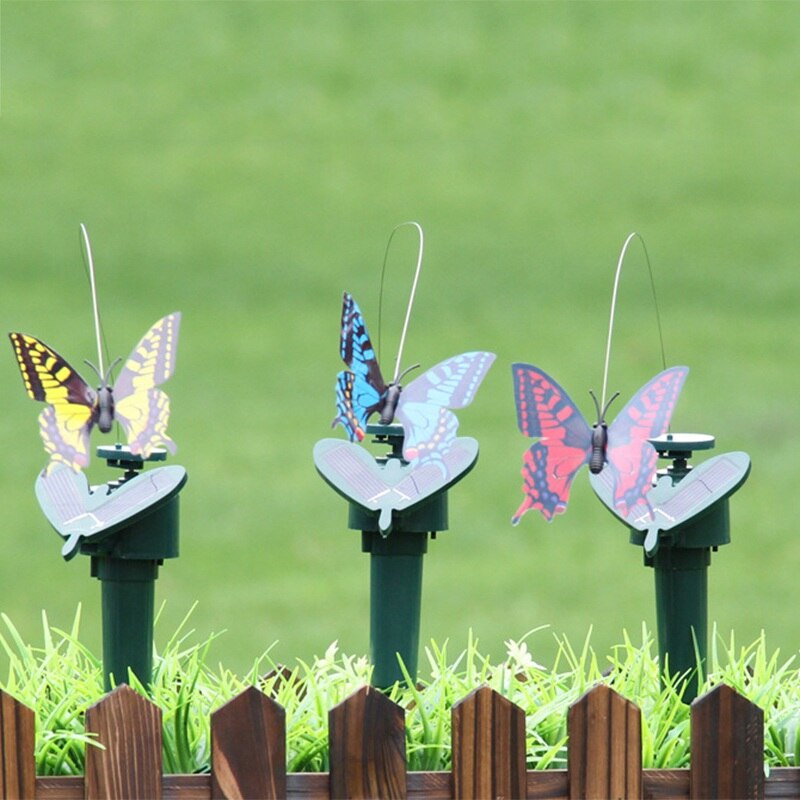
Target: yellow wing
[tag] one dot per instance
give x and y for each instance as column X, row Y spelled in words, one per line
column 67, row 421
column 141, row 408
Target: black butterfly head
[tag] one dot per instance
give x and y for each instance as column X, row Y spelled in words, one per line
column 392, row 397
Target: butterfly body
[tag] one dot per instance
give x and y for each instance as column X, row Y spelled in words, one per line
column 104, row 407
column 566, row 441
column 599, row 444
column 74, row 408
column 422, row 407
column 389, row 403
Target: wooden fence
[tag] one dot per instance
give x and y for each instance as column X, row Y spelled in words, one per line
column 367, row 753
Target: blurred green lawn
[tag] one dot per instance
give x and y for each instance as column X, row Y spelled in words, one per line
column 244, row 162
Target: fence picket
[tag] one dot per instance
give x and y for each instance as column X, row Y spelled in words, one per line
column 727, row 746
column 488, row 740
column 248, row 748
column 367, row 747
column 605, row 746
column 129, row 727
column 17, row 741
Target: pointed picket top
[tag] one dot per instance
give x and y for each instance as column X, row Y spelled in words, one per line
column 130, row 765
column 248, row 747
column 276, row 680
column 727, row 746
column 367, row 747
column 605, row 746
column 488, row 736
column 17, row 740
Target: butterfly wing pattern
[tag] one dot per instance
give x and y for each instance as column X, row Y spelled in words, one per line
column 423, row 410
column 141, row 408
column 65, row 423
column 631, row 458
column 360, row 390
column 545, row 411
column 73, row 409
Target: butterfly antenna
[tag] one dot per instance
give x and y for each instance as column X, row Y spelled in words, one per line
column 603, row 405
column 406, row 371
column 89, row 262
column 396, row 375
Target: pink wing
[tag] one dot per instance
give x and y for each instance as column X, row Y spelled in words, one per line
column 631, row 458
column 545, row 410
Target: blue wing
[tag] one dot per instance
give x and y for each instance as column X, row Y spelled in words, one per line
column 360, row 390
column 429, row 426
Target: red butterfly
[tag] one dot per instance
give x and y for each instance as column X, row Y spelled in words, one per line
column 566, row 442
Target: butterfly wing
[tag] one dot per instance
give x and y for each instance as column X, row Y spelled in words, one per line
column 545, row 411
column 356, row 400
column 67, row 421
column 423, row 410
column 141, row 408
column 360, row 390
column 631, row 458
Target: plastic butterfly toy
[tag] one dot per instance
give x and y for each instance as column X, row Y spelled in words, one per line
column 74, row 408
column 422, row 407
column 567, row 442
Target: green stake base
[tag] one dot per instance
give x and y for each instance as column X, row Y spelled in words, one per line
column 681, row 581
column 395, row 601
column 128, row 599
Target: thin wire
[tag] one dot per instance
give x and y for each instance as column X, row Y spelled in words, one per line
column 90, row 265
column 614, row 307
column 396, row 373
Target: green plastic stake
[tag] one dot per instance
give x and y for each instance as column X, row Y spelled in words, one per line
column 127, row 527
column 396, row 506
column 688, row 518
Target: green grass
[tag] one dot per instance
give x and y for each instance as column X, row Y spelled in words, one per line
column 244, row 162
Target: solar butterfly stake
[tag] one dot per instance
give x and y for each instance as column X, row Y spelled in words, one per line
column 677, row 520
column 129, row 525
column 686, row 517
column 396, row 500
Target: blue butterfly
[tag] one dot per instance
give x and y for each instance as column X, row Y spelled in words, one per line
column 422, row 408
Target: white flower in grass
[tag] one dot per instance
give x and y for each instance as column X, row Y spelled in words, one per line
column 361, row 666
column 518, row 654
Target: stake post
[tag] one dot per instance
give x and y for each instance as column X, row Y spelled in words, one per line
column 684, row 518
column 397, row 506
column 126, row 559
column 680, row 558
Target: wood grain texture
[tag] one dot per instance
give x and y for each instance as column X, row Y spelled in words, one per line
column 727, row 746
column 488, row 740
column 248, row 748
column 367, row 747
column 17, row 740
column 129, row 727
column 605, row 746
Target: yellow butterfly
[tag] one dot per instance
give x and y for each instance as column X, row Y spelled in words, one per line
column 74, row 408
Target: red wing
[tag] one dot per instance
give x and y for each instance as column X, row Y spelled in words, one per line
column 547, row 472
column 545, row 410
column 631, row 458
